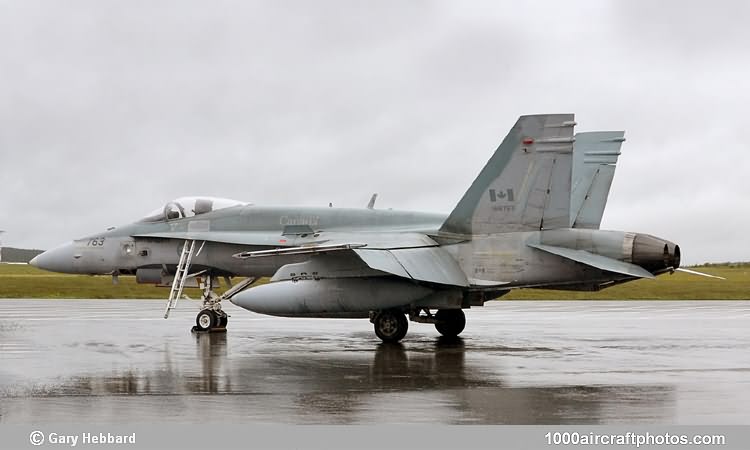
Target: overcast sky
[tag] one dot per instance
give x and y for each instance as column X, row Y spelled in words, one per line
column 108, row 109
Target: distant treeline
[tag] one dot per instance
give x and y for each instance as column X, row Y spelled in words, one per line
column 726, row 264
column 19, row 255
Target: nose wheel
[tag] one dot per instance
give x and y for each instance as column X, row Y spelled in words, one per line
column 209, row 320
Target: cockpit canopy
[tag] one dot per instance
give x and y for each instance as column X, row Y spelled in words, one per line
column 188, row 207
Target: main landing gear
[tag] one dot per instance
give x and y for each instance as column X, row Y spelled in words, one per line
column 450, row 322
column 391, row 325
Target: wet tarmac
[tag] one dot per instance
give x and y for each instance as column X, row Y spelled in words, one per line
column 111, row 361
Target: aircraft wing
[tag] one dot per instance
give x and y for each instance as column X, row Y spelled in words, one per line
column 378, row 240
column 425, row 264
column 598, row 261
column 430, row 264
column 408, row 255
column 301, row 250
column 413, row 256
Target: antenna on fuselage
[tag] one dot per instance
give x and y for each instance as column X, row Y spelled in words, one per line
column 371, row 204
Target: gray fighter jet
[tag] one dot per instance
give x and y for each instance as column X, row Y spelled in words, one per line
column 521, row 224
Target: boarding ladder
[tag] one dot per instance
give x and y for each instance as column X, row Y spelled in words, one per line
column 180, row 276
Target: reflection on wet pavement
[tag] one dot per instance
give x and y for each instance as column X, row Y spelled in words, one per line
column 517, row 363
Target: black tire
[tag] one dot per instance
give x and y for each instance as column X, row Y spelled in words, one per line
column 391, row 326
column 223, row 320
column 206, row 320
column 450, row 322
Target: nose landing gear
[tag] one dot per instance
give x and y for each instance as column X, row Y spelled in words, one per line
column 211, row 318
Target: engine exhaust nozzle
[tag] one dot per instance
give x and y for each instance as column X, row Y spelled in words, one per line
column 654, row 254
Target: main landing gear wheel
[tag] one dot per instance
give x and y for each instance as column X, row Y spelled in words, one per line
column 391, row 326
column 210, row 320
column 450, row 322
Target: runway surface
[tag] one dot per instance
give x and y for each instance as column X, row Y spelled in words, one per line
column 112, row 361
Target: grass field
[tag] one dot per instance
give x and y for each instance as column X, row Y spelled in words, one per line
column 678, row 286
column 23, row 281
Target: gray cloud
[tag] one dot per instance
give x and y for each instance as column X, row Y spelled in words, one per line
column 109, row 109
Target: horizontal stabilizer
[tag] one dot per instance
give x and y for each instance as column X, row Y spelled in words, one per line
column 598, row 261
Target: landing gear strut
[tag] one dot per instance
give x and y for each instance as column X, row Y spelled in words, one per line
column 390, row 325
column 211, row 318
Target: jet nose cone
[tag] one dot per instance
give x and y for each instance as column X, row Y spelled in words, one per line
column 59, row 259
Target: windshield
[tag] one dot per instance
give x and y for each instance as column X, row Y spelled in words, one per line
column 189, row 207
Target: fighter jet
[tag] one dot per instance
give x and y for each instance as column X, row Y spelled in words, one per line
column 521, row 224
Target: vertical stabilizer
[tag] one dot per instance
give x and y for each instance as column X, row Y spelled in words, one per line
column 525, row 185
column 594, row 161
